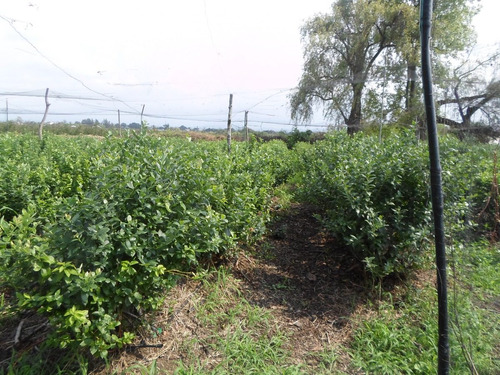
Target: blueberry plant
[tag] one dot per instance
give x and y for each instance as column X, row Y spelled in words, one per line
column 376, row 194
column 139, row 213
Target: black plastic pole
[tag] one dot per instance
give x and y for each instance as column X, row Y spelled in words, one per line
column 436, row 188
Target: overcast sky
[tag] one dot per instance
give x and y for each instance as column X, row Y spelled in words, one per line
column 181, row 59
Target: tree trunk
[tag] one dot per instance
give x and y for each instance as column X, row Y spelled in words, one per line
column 354, row 121
column 410, row 86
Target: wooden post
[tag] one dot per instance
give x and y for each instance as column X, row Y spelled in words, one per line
column 142, row 112
column 246, row 126
column 47, row 105
column 229, row 124
column 119, row 124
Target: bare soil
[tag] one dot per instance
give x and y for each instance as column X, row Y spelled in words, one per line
column 311, row 285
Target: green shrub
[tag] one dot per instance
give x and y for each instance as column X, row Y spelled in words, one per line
column 41, row 173
column 147, row 211
column 376, row 197
column 297, row 136
column 469, row 191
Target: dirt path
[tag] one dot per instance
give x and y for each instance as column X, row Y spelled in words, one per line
column 306, row 280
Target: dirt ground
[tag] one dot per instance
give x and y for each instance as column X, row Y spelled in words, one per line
column 311, row 285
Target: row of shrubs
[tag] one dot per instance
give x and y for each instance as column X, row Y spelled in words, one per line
column 98, row 229
column 376, row 195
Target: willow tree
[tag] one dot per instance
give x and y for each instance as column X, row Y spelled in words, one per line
column 342, row 56
column 340, row 51
column 452, row 33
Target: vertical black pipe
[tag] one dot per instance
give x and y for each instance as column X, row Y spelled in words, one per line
column 436, row 188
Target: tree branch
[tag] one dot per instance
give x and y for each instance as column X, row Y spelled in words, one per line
column 464, row 99
column 447, row 121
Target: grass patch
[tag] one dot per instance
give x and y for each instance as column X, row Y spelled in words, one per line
column 398, row 339
column 240, row 338
column 475, row 306
column 402, row 337
column 46, row 361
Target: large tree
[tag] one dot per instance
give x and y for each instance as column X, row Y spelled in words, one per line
column 340, row 51
column 343, row 50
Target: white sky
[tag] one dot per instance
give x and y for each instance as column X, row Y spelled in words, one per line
column 179, row 58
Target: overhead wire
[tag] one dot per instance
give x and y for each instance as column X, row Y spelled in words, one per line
column 101, row 110
column 106, row 97
column 52, row 94
column 134, row 111
column 10, row 22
